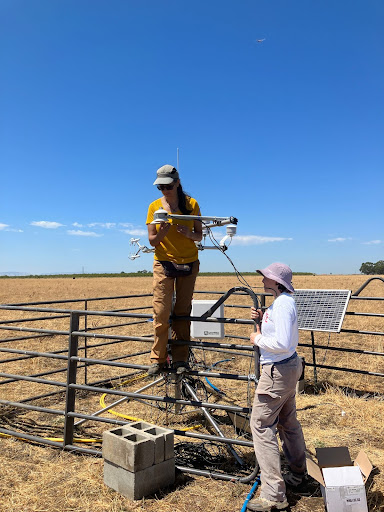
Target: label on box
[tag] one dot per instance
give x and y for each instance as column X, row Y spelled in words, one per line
column 350, row 500
column 353, row 490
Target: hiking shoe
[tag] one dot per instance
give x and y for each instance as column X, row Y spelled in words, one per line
column 294, row 479
column 264, row 505
column 181, row 367
column 156, row 368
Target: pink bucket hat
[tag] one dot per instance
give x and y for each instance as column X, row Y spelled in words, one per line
column 280, row 273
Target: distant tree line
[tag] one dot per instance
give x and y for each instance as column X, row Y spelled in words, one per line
column 138, row 273
column 369, row 268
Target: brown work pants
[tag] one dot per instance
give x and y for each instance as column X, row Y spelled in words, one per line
column 163, row 288
column 274, row 408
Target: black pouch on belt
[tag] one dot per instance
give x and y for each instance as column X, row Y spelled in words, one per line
column 175, row 270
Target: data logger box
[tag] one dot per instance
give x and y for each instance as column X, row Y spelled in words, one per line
column 207, row 329
column 342, row 481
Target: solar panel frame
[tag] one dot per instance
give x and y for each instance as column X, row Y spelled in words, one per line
column 321, row 310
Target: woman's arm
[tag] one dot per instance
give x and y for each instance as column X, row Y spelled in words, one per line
column 257, row 316
column 282, row 340
column 196, row 235
column 154, row 236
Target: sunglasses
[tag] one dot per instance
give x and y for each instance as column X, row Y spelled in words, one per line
column 166, row 187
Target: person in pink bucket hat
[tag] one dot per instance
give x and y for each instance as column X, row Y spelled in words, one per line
column 274, row 406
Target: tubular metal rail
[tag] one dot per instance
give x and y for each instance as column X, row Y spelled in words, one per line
column 354, row 297
column 75, row 357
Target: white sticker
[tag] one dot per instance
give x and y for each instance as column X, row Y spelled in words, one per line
column 352, row 490
column 356, row 499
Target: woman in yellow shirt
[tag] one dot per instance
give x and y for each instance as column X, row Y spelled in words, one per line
column 175, row 267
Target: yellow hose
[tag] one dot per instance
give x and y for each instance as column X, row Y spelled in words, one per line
column 133, row 418
column 112, row 411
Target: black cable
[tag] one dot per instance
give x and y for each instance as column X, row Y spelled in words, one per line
column 187, row 455
column 325, row 353
column 239, row 276
column 242, row 281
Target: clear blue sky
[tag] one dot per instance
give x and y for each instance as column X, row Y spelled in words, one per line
column 285, row 134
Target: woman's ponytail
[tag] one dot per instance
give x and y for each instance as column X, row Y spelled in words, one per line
column 182, row 196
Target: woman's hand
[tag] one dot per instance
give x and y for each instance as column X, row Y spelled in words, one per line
column 163, row 229
column 256, row 314
column 184, row 230
column 195, row 235
column 252, row 338
column 156, row 236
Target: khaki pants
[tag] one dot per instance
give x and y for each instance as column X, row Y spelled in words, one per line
column 274, row 408
column 163, row 288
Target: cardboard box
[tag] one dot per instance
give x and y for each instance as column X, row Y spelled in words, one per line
column 342, row 481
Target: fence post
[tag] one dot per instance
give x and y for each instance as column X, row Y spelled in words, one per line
column 86, row 343
column 314, row 357
column 73, row 343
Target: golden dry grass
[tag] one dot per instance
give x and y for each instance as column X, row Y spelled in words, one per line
column 37, row 479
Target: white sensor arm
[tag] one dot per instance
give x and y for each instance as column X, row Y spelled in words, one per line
column 162, row 215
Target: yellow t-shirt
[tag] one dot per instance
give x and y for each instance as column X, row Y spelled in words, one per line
column 175, row 246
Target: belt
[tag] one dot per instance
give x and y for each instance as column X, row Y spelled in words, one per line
column 287, row 359
column 283, row 360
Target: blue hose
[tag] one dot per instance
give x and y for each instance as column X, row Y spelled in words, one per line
column 250, row 494
column 214, row 387
column 210, row 383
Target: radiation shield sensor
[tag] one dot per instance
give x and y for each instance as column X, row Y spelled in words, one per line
column 224, row 242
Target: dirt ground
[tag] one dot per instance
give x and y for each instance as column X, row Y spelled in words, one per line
column 340, row 409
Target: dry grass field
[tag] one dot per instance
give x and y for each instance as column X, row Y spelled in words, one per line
column 340, row 409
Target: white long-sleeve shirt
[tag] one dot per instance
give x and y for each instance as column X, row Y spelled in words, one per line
column 279, row 331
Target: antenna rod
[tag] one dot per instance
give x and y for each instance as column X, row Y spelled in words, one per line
column 177, row 165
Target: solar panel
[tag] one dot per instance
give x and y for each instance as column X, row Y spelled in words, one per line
column 321, row 310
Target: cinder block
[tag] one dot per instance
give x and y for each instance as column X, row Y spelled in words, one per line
column 162, row 437
column 130, row 450
column 139, row 425
column 141, row 483
column 168, row 440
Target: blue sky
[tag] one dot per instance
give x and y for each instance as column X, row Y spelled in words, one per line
column 284, row 134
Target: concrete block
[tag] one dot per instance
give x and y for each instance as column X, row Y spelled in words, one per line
column 162, row 437
column 141, row 483
column 130, row 450
column 139, row 425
